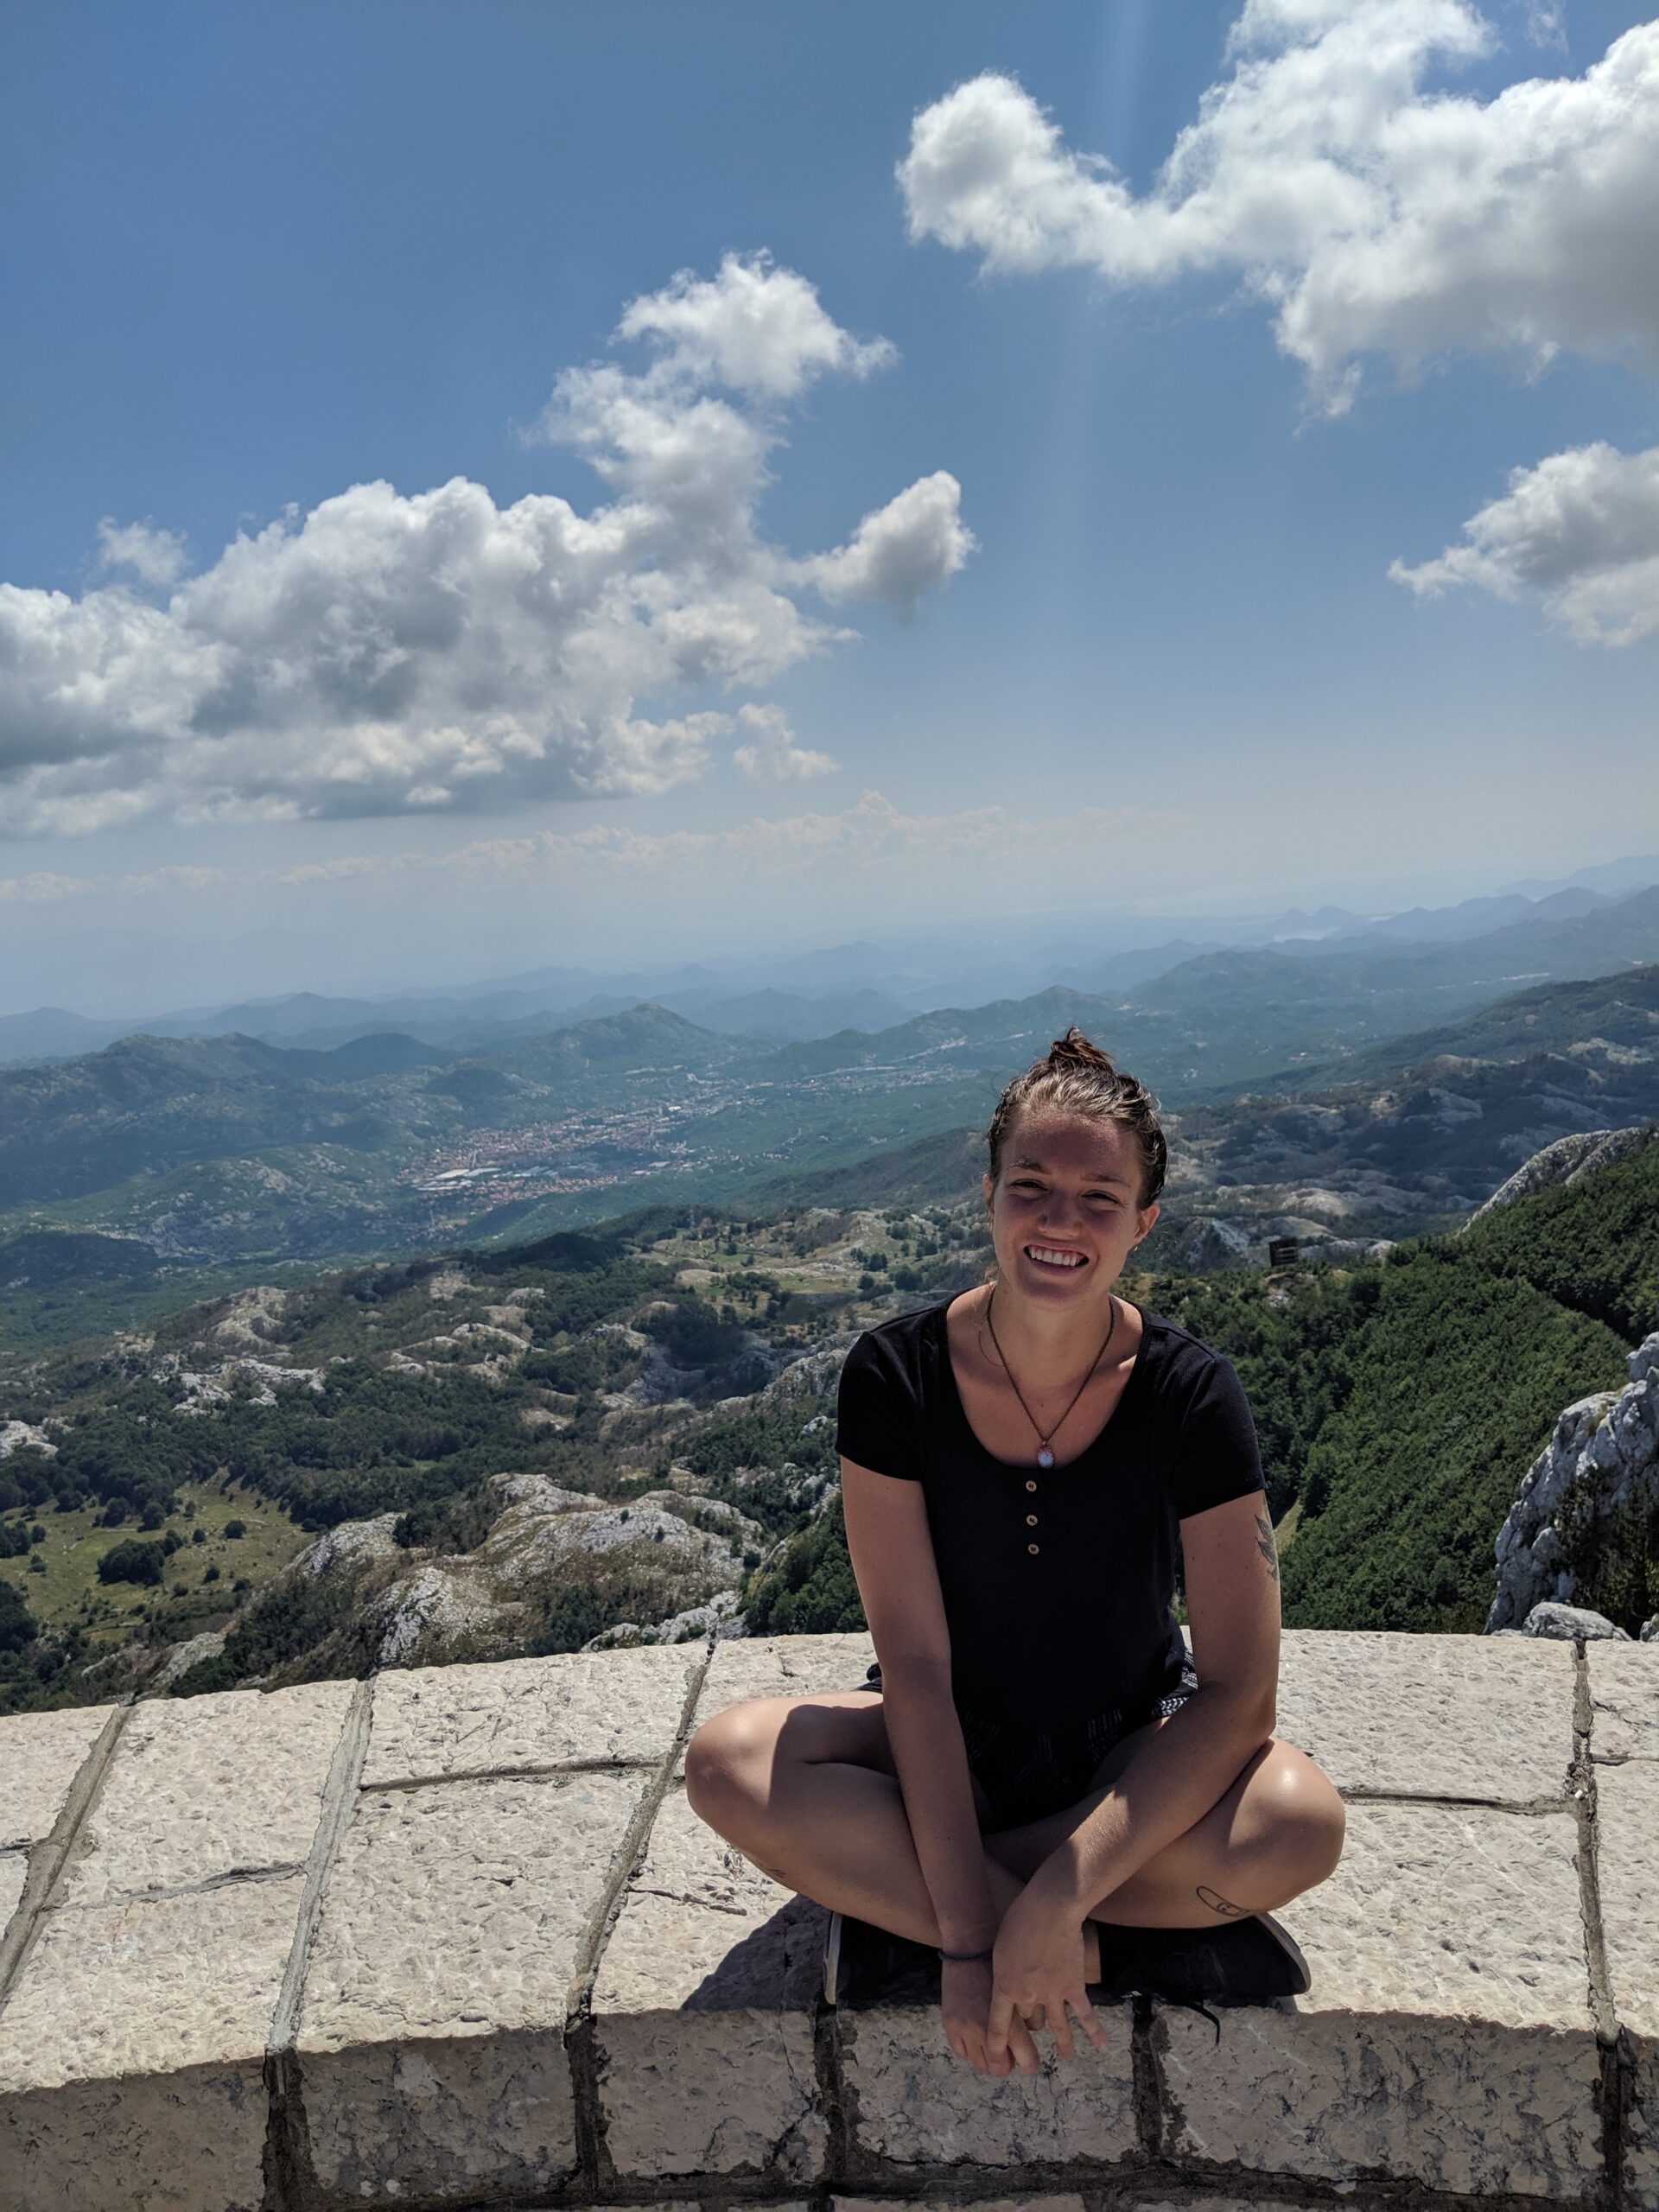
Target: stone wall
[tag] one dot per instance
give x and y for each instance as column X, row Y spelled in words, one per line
column 451, row 1937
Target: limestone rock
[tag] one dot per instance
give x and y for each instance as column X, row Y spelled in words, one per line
column 1606, row 1446
column 1565, row 1623
column 1567, row 1160
column 350, row 1543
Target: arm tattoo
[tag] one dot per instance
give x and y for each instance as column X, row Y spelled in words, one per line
column 1264, row 1544
column 1217, row 1903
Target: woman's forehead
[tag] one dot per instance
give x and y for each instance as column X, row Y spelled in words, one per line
column 1046, row 1138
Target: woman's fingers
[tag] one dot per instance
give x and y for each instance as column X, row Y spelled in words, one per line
column 1089, row 2021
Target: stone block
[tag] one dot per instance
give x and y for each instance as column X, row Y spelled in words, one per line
column 779, row 1666
column 132, row 2052
column 573, row 1708
column 1447, row 2037
column 455, row 1922
column 205, row 1787
column 14, row 1872
column 702, row 2011
column 1624, row 1701
column 1464, row 1717
column 457, row 2117
column 917, row 2104
column 40, row 1754
column 1026, row 2201
column 190, row 2141
column 1627, row 1819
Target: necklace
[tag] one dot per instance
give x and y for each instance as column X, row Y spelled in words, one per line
column 1044, row 1457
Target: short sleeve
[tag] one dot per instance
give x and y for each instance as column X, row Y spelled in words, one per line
column 1217, row 1457
column 877, row 1411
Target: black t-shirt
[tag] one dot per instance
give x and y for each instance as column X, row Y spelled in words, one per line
column 1059, row 1582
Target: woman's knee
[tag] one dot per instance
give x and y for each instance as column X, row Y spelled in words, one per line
column 727, row 1758
column 1299, row 1819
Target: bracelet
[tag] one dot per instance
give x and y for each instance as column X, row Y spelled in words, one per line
column 964, row 1958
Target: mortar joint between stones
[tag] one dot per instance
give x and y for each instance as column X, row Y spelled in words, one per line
column 582, row 2042
column 49, row 1857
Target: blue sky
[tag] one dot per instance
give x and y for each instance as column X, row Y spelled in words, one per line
column 255, row 257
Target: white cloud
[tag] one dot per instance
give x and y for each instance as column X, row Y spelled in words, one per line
column 1580, row 531
column 1373, row 216
column 156, row 556
column 754, row 328
column 916, row 541
column 772, row 754
column 389, row 653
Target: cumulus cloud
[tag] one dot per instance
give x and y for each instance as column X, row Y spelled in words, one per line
column 772, row 754
column 1373, row 215
column 388, row 653
column 902, row 549
column 155, row 557
column 1580, row 531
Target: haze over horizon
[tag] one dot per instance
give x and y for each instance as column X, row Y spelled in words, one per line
column 1096, row 464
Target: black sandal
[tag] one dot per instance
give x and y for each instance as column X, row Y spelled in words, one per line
column 1240, row 1962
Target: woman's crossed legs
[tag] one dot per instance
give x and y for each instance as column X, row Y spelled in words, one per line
column 805, row 1788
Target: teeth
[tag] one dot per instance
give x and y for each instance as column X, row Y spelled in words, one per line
column 1051, row 1258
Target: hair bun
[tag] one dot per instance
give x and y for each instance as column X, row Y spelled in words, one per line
column 1074, row 1050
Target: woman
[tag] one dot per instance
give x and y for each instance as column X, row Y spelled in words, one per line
column 1038, row 1782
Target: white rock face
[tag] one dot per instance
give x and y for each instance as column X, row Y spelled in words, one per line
column 350, row 1542
column 1566, row 1159
column 14, row 1434
column 1611, row 1440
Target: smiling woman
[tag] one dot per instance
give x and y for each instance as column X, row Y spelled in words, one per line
column 1038, row 1780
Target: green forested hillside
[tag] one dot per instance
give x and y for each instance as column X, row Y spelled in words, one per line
column 1454, row 1381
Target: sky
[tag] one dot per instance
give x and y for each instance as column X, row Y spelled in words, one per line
column 489, row 485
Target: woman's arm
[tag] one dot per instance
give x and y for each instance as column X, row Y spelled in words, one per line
column 1180, row 1772
column 892, row 1551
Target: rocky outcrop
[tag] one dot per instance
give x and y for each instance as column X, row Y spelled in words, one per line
column 1567, row 1160
column 1603, row 1457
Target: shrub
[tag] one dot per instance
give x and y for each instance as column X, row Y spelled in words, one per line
column 131, row 1561
column 235, row 1527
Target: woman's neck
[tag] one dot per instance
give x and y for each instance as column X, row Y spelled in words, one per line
column 1048, row 1348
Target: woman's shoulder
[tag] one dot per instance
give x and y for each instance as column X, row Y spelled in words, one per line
column 1180, row 1360
column 902, row 1342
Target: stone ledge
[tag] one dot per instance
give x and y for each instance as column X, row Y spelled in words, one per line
column 454, row 1938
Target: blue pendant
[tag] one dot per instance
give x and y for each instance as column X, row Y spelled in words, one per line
column 1045, row 1458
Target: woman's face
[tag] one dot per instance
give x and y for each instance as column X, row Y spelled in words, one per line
column 1065, row 1211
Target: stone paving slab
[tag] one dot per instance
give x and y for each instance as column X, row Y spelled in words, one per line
column 131, row 2048
column 430, row 1722
column 205, row 1787
column 1467, row 1717
column 452, row 1927
column 1627, row 1818
column 703, row 2009
column 1447, row 2037
column 40, row 1754
column 779, row 1666
column 1624, row 1700
column 915, row 2103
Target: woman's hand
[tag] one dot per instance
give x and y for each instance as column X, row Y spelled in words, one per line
column 965, row 2004
column 1037, row 1972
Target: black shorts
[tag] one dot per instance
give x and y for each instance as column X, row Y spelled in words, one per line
column 1027, row 1772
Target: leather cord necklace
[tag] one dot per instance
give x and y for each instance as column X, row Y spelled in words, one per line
column 1044, row 1457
